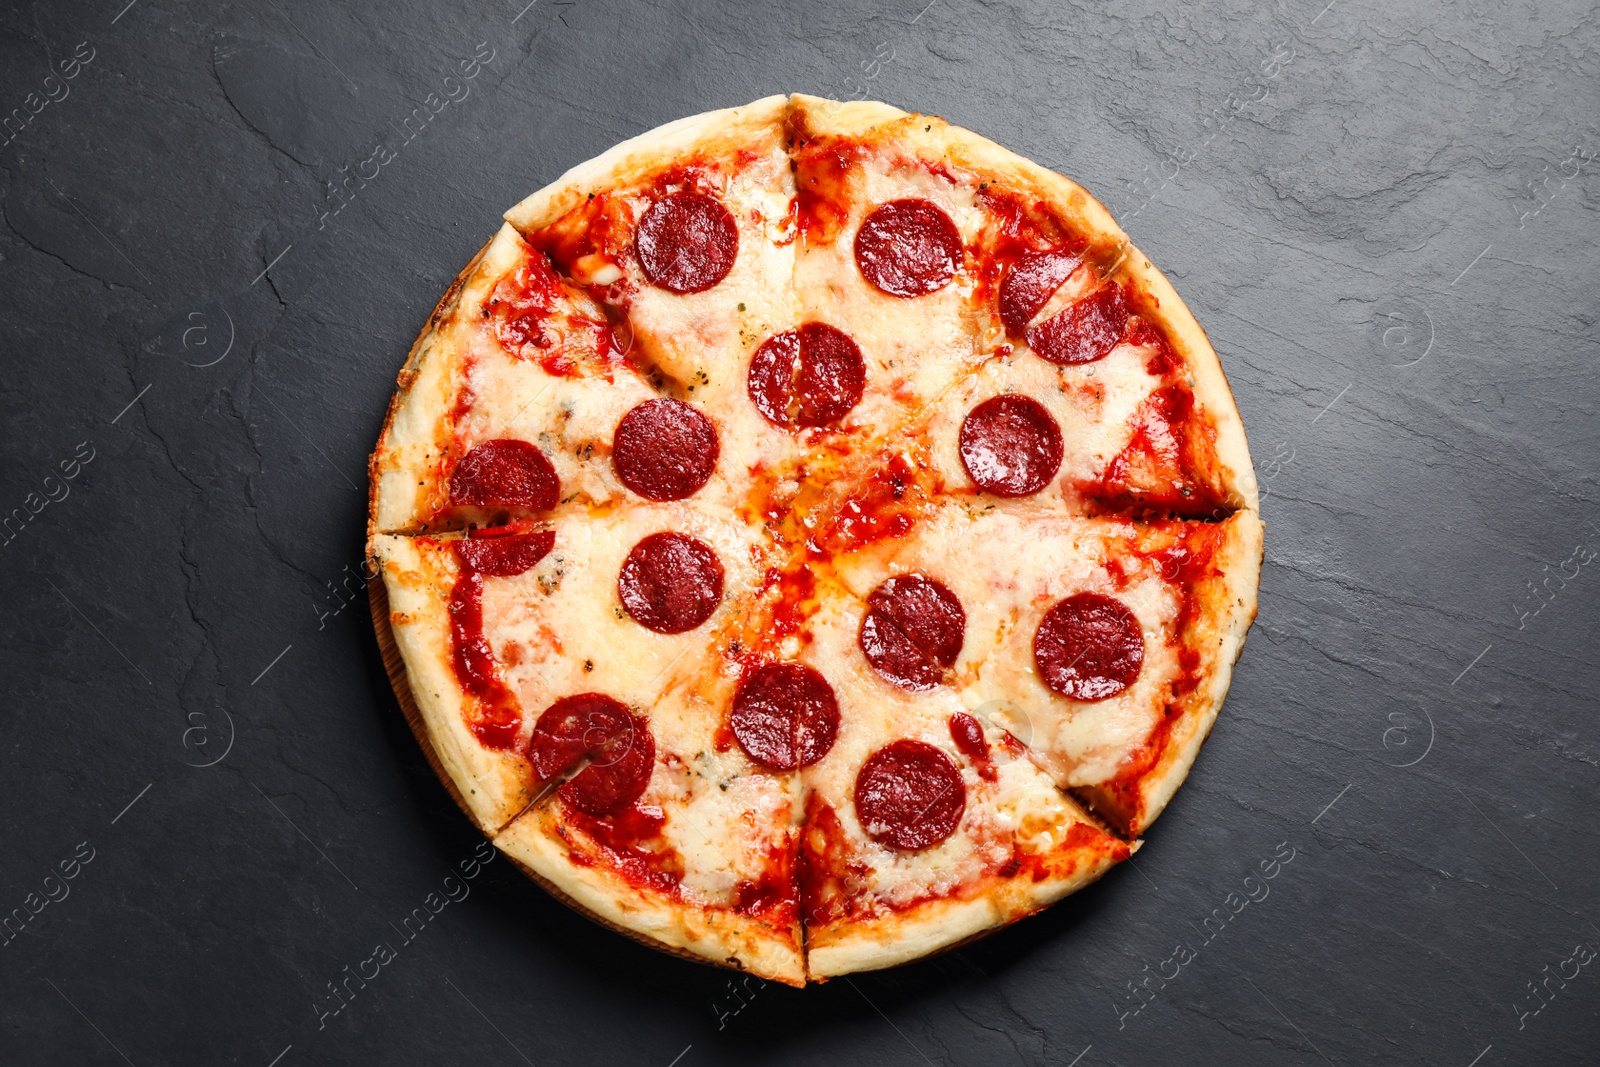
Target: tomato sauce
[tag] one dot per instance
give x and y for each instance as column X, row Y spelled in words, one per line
column 629, row 843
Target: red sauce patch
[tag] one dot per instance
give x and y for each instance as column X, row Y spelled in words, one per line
column 785, row 716
column 886, row 507
column 527, row 307
column 1089, row 647
column 596, row 227
column 505, row 473
column 822, row 196
column 967, row 733
column 830, row 878
column 621, row 842
column 775, row 895
column 616, row 743
column 1158, row 469
column 1144, row 333
column 664, row 449
column 1010, row 445
column 908, row 248
column 797, row 589
column 493, row 714
column 909, row 795
column 670, row 582
column 912, row 631
column 811, row 376
column 687, row 242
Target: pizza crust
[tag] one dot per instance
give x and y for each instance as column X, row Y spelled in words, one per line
column 394, row 665
column 941, row 925
column 714, row 935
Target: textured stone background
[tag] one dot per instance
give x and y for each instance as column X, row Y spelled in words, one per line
column 1384, row 213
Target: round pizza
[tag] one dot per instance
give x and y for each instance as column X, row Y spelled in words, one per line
column 812, row 536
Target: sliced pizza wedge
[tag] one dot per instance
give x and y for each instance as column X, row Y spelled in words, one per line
column 497, row 625
column 925, row 825
column 1104, row 645
column 663, row 828
column 882, row 275
column 941, row 252
column 686, row 236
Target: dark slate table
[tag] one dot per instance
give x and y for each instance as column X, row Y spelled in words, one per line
column 223, row 225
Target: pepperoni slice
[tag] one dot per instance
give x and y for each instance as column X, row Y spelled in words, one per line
column 664, row 450
column 1010, row 445
column 785, row 716
column 686, row 242
column 909, row 795
column 504, row 555
column 505, row 473
column 1084, row 332
column 670, row 582
column 908, row 248
column 811, row 376
column 1031, row 284
column 912, row 631
column 1089, row 647
column 617, row 744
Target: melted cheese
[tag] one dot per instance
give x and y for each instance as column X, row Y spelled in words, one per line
column 1008, row 568
column 914, row 348
column 1021, row 809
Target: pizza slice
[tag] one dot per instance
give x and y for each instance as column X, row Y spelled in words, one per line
column 967, row 274
column 665, row 829
column 1105, row 645
column 925, row 825
column 685, row 235
column 882, row 274
column 573, row 678
column 498, row 624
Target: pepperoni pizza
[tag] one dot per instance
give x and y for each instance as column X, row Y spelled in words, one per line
column 812, row 536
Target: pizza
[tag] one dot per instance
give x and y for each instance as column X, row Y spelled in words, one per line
column 812, row 536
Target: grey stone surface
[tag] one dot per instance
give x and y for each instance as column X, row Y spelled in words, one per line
column 1385, row 215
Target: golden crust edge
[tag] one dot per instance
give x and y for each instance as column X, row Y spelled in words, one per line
column 431, row 364
column 942, row 925
column 624, row 163
column 703, row 934
column 491, row 787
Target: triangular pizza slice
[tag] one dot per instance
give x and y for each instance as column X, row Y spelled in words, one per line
column 519, row 403
column 925, row 825
column 573, row 679
column 686, row 237
column 967, row 274
column 1104, row 645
